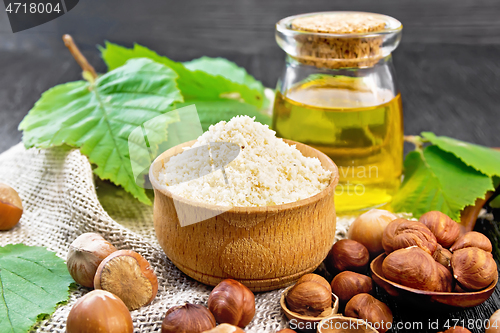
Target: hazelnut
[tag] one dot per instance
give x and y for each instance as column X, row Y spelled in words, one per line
column 286, row 330
column 310, row 296
column 443, row 256
column 370, row 309
column 347, row 284
column 188, row 318
column 85, row 254
column 445, row 279
column 11, row 207
column 472, row 239
column 368, row 229
column 99, row 311
column 473, row 268
column 412, row 267
column 456, row 329
column 389, row 233
column 129, row 276
column 442, row 226
column 459, row 289
column 232, row 303
column 402, row 234
column 493, row 326
column 347, row 255
column 225, row 328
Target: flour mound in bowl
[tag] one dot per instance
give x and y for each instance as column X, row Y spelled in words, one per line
column 267, row 171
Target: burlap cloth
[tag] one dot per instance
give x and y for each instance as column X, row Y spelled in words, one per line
column 61, row 201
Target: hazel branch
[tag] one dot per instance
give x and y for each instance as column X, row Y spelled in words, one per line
column 79, row 57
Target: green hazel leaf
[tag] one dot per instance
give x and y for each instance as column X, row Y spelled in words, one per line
column 33, row 281
column 194, row 84
column 481, row 158
column 438, row 180
column 98, row 118
column 225, row 68
column 211, row 112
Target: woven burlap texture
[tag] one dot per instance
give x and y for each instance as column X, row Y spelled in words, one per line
column 61, row 202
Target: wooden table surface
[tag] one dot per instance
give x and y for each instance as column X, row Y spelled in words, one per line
column 450, row 89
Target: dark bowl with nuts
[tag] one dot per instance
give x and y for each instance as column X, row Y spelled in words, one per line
column 430, row 299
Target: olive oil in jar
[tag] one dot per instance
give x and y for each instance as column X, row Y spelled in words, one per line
column 359, row 127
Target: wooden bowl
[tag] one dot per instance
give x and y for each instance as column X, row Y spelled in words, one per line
column 306, row 323
column 264, row 248
column 341, row 324
column 429, row 299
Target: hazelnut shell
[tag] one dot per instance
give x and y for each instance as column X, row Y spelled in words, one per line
column 308, row 320
column 129, row 276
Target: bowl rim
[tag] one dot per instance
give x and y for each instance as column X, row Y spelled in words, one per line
column 331, row 166
column 428, row 293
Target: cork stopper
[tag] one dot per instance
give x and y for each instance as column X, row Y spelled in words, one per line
column 340, row 39
column 345, row 23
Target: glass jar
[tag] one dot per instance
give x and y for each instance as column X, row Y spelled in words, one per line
column 338, row 93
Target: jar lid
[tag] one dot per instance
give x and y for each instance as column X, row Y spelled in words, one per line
column 339, row 39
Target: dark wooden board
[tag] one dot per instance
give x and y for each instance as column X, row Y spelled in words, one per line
column 447, row 65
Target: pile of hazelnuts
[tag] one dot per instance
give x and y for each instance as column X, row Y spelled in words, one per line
column 125, row 281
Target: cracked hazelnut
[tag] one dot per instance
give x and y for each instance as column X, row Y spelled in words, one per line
column 473, row 268
column 347, row 255
column 129, row 276
column 402, row 234
column 442, row 226
column 11, row 207
column 99, row 311
column 370, row 309
column 225, row 328
column 472, row 239
column 310, row 296
column 368, row 229
column 347, row 284
column 443, row 256
column 412, row 267
column 85, row 254
column 188, row 318
column 232, row 303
